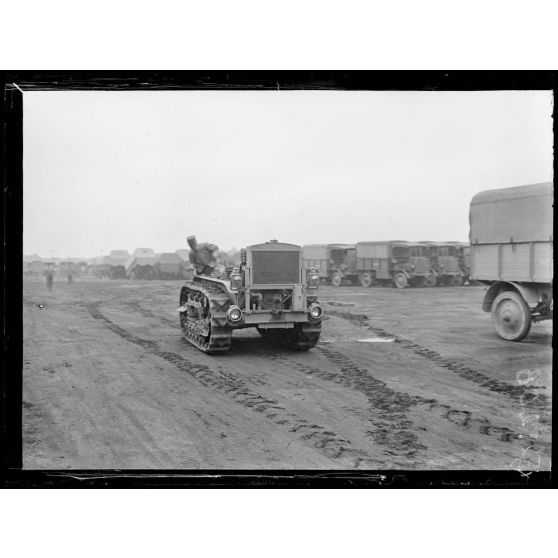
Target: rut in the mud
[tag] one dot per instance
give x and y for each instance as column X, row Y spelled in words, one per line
column 388, row 407
column 462, row 370
column 391, row 428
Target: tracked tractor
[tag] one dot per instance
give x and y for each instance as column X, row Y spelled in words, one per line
column 269, row 290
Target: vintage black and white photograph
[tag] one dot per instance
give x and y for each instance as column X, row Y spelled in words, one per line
column 301, row 279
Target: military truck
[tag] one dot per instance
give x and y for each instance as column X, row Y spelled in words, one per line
column 100, row 266
column 82, row 267
column 396, row 262
column 511, row 252
column 36, row 268
column 334, row 262
column 117, row 263
column 141, row 264
column 270, row 291
column 169, row 265
column 448, row 262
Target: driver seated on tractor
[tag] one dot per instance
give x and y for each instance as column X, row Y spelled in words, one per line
column 203, row 257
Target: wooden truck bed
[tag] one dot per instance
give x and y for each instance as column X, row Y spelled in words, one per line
column 511, row 234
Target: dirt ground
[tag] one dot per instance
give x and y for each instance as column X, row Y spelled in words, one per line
column 413, row 379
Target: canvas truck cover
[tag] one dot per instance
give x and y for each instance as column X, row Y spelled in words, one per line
column 100, row 260
column 169, row 262
column 315, row 252
column 117, row 260
column 168, row 257
column 144, row 252
column 511, row 215
column 144, row 260
column 368, row 250
column 134, row 261
column 119, row 254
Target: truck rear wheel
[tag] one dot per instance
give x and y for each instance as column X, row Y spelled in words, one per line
column 400, row 281
column 336, row 279
column 511, row 316
column 365, row 279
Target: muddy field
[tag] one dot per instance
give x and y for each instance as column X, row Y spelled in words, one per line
column 413, row 379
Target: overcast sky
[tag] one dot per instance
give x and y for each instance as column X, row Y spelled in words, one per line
column 121, row 170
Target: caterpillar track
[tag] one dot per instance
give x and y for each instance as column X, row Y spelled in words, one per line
column 300, row 338
column 205, row 324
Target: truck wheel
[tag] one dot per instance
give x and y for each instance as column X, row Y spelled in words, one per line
column 365, row 279
column 511, row 316
column 400, row 281
column 336, row 279
column 457, row 280
column 430, row 281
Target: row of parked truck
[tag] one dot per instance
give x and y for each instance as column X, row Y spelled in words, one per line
column 402, row 264
column 394, row 262
column 144, row 263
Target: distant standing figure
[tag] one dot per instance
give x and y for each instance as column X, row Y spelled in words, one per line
column 70, row 278
column 49, row 279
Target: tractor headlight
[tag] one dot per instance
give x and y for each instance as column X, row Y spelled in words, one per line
column 234, row 314
column 316, row 311
column 313, row 279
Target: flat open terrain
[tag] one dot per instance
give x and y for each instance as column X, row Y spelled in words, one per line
column 413, row 379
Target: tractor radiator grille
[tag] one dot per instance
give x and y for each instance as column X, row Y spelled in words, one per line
column 275, row 267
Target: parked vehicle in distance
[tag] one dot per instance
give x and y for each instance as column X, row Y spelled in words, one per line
column 334, row 262
column 511, row 247
column 169, row 265
column 82, row 267
column 100, row 267
column 396, row 262
column 36, row 268
column 141, row 264
column 270, row 291
column 117, row 263
column 448, row 262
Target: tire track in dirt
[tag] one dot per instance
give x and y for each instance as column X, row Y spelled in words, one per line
column 326, row 441
column 394, row 430
column 516, row 392
column 389, row 402
column 135, row 305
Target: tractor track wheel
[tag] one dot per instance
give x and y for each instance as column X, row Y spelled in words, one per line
column 511, row 316
column 209, row 333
